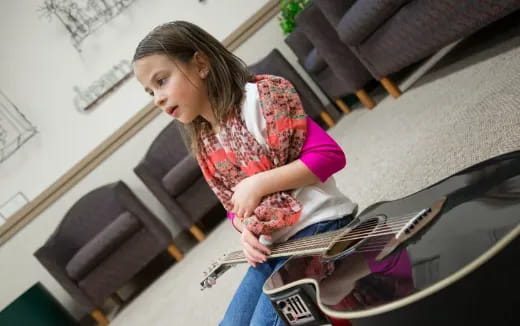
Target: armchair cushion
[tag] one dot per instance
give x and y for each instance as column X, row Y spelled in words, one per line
column 181, row 176
column 334, row 9
column 364, row 17
column 299, row 44
column 99, row 247
column 314, row 63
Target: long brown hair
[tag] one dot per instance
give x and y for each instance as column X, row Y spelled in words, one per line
column 227, row 75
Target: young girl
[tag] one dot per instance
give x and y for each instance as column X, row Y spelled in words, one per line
column 265, row 160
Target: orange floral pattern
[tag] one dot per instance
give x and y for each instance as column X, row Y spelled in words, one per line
column 238, row 155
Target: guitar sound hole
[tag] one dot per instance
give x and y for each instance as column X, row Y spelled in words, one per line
column 353, row 239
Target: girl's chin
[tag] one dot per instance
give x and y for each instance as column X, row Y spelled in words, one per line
column 184, row 121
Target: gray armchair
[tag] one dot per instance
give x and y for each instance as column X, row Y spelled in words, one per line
column 388, row 35
column 175, row 178
column 101, row 243
column 317, row 68
column 276, row 64
column 348, row 70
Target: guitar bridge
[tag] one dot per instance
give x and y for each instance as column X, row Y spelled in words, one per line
column 416, row 224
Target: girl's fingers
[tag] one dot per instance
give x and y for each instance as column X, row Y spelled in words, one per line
column 249, row 260
column 252, row 248
column 254, row 254
column 236, row 211
column 261, row 248
column 252, row 240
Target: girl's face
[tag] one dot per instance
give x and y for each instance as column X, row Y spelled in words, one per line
column 178, row 88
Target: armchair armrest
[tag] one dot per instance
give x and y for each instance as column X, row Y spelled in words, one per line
column 157, row 188
column 314, row 63
column 102, row 245
column 364, row 17
column 182, row 176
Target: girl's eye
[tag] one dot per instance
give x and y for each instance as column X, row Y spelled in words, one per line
column 161, row 81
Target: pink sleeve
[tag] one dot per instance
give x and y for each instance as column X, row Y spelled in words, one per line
column 230, row 215
column 320, row 153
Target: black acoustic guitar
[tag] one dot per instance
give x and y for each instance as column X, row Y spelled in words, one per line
column 446, row 255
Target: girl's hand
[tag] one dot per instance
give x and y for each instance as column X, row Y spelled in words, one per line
column 254, row 251
column 246, row 197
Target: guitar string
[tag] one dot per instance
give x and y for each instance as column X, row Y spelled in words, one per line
column 368, row 247
column 325, row 238
column 319, row 245
column 359, row 234
column 360, row 250
column 318, row 240
column 396, row 222
column 328, row 235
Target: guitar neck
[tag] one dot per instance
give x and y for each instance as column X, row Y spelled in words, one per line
column 315, row 244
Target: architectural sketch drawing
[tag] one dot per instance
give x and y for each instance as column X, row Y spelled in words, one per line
column 82, row 17
column 15, row 129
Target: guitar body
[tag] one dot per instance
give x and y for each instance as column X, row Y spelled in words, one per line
column 460, row 269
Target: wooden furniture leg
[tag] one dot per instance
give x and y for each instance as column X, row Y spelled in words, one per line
column 176, row 253
column 390, row 87
column 325, row 116
column 100, row 318
column 197, row 233
column 367, row 101
column 342, row 105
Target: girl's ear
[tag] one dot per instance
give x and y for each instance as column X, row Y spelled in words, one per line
column 202, row 63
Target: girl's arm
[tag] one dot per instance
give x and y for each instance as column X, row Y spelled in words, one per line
column 320, row 157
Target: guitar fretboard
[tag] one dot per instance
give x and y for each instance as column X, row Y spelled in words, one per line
column 305, row 246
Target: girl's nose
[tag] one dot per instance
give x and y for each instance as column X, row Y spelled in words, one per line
column 159, row 100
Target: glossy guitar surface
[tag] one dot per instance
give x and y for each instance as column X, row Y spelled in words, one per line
column 463, row 262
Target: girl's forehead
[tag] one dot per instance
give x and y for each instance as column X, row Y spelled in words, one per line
column 150, row 64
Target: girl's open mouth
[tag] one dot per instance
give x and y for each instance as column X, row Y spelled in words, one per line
column 171, row 110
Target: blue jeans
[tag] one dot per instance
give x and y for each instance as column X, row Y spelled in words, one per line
column 250, row 306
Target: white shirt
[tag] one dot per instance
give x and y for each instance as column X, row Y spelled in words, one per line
column 321, row 201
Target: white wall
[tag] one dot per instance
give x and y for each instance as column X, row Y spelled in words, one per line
column 40, row 66
column 19, row 270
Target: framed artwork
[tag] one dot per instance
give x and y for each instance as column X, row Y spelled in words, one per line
column 15, row 129
column 83, row 17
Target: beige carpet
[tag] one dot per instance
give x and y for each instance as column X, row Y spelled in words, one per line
column 455, row 116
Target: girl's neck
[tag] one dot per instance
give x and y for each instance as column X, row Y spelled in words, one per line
column 209, row 116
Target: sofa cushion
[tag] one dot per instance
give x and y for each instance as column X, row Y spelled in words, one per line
column 100, row 246
column 364, row 17
column 314, row 63
column 181, row 176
